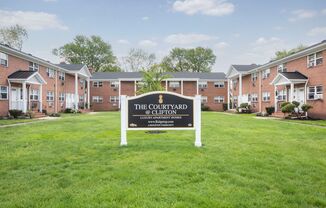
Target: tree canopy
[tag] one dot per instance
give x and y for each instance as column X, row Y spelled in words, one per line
column 138, row 60
column 13, row 36
column 192, row 60
column 92, row 51
column 284, row 53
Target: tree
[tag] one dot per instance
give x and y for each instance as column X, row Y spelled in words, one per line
column 13, row 36
column 92, row 51
column 152, row 80
column 284, row 53
column 138, row 60
column 193, row 60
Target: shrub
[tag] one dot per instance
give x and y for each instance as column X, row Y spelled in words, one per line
column 55, row 115
column 289, row 108
column 306, row 107
column 284, row 104
column 270, row 110
column 296, row 103
column 244, row 105
column 244, row 108
column 15, row 113
column 44, row 111
column 68, row 110
column 205, row 108
column 225, row 106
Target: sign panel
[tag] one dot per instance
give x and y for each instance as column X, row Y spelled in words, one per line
column 160, row 110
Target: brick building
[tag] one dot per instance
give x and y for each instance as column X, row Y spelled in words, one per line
column 299, row 77
column 106, row 88
column 29, row 83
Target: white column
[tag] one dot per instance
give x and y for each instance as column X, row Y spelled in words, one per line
column 259, row 91
column 166, row 85
column 197, row 106
column 41, row 98
column 88, row 93
column 275, row 98
column 123, row 125
column 291, row 92
column 119, row 93
column 24, row 98
column 76, row 91
column 135, row 87
column 197, row 89
column 9, row 95
column 229, row 94
column 240, row 90
column 181, row 87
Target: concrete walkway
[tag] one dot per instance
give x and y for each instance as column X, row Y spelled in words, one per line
column 37, row 120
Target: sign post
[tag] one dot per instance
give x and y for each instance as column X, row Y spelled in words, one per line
column 161, row 111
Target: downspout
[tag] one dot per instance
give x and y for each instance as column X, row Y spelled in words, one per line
column 305, row 95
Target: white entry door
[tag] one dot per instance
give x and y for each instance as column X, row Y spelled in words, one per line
column 69, row 100
column 16, row 99
column 299, row 95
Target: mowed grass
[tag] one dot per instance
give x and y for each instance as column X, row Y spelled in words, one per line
column 76, row 161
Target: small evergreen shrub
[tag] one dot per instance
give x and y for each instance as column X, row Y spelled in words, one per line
column 15, row 113
column 306, row 107
column 270, row 110
column 284, row 104
column 205, row 108
column 225, row 106
column 289, row 108
column 296, row 103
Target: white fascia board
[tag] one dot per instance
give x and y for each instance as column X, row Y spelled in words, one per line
column 292, row 57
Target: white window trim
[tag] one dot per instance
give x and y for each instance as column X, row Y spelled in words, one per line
column 114, row 99
column 266, row 95
column 219, row 84
column 34, row 67
column 202, row 85
column 314, row 59
column 266, row 73
column 62, row 96
column 7, row 92
column 97, row 84
column 6, row 59
column 254, row 97
column 114, row 84
column 61, row 76
column 254, row 76
column 219, row 99
column 33, row 93
column 50, row 72
column 315, row 92
column 50, row 96
column 204, row 99
column 174, row 84
column 97, row 99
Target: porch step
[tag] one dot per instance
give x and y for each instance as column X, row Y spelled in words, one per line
column 38, row 115
column 278, row 114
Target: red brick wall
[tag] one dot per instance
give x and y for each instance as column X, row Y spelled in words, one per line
column 105, row 91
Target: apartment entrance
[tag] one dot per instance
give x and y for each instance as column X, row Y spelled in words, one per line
column 299, row 95
column 17, row 99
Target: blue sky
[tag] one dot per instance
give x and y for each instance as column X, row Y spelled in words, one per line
column 239, row 32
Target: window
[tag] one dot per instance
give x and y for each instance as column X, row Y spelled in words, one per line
column 114, row 84
column 114, row 99
column 281, row 95
column 3, row 92
column 254, row 76
column 61, row 96
column 61, row 76
column 266, row 96
column 202, row 85
column 97, row 99
column 315, row 59
column 97, row 84
column 3, row 59
column 219, row 84
column 315, row 92
column 254, row 97
column 174, row 84
column 33, row 95
column 281, row 68
column 234, row 84
column 33, row 66
column 204, row 99
column 81, row 98
column 49, row 96
column 50, row 72
column 219, row 99
column 266, row 73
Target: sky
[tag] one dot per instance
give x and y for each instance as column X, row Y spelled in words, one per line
column 238, row 31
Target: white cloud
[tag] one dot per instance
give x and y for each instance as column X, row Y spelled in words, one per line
column 302, row 14
column 278, row 28
column 49, row 0
column 147, row 44
column 185, row 39
column 205, row 7
column 145, row 18
column 123, row 41
column 317, row 31
column 31, row 20
column 323, row 12
column 263, row 40
column 222, row 45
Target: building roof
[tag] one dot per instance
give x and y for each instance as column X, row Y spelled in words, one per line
column 293, row 75
column 20, row 74
column 244, row 68
column 71, row 67
column 138, row 75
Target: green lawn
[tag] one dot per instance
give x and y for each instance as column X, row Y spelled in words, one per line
column 76, row 161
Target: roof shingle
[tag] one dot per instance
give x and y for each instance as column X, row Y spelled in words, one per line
column 20, row 74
